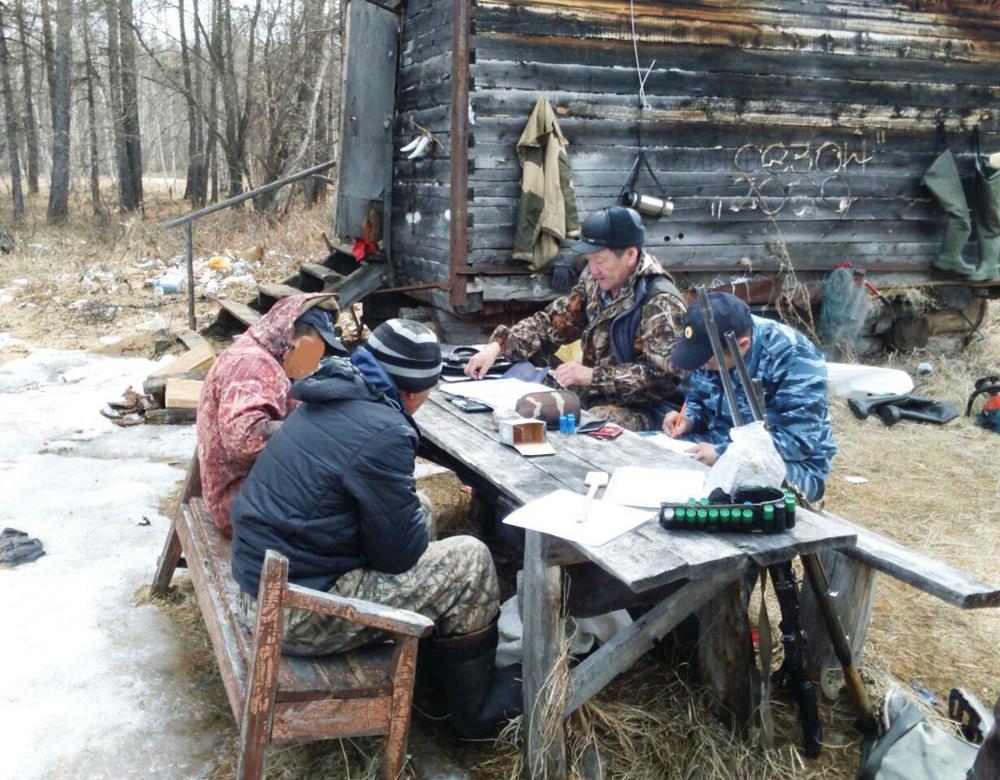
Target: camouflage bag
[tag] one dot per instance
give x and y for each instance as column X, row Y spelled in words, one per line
column 549, row 406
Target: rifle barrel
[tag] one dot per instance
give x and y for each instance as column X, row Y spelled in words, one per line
column 720, row 356
column 756, row 402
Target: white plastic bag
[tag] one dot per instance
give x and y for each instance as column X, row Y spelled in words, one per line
column 750, row 461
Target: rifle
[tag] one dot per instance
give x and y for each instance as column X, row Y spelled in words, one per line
column 782, row 574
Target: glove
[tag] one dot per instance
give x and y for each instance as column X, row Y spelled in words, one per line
column 564, row 274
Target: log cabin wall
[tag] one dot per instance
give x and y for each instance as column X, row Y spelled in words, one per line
column 783, row 130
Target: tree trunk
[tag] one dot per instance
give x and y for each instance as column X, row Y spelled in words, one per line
column 30, row 127
column 130, row 109
column 115, row 101
column 49, row 54
column 194, row 187
column 95, row 170
column 61, row 106
column 13, row 142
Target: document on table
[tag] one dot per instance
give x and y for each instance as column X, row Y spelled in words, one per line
column 567, row 515
column 674, row 445
column 497, row 393
column 648, row 488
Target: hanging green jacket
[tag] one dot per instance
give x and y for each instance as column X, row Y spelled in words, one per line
column 546, row 215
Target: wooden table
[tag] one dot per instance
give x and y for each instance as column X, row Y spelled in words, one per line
column 695, row 570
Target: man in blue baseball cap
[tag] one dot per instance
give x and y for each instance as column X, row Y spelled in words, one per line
column 793, row 373
column 625, row 311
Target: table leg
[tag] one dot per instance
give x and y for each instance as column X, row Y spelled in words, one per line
column 545, row 738
column 724, row 653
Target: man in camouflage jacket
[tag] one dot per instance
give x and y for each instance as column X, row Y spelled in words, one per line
column 625, row 312
column 793, row 372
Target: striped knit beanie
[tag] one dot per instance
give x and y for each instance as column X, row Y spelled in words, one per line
column 409, row 352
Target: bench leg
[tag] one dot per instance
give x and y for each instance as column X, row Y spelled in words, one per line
column 724, row 653
column 852, row 587
column 262, row 682
column 404, row 664
column 167, row 564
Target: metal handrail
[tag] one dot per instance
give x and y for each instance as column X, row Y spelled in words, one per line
column 190, row 217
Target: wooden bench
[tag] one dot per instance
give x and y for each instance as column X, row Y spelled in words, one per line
column 278, row 698
column 853, row 577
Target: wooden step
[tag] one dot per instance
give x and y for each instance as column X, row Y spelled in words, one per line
column 270, row 294
column 368, row 277
column 313, row 277
column 239, row 312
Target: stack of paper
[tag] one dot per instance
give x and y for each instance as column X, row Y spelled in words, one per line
column 570, row 516
column 645, row 487
column 497, row 393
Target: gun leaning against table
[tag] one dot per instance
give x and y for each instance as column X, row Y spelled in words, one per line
column 782, row 574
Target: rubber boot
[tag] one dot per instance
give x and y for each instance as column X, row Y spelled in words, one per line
column 945, row 185
column 865, row 403
column 481, row 697
column 916, row 408
column 987, row 216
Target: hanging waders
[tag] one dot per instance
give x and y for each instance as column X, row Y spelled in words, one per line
column 987, row 216
column 946, row 187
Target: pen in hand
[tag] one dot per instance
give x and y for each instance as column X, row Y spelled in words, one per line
column 677, row 421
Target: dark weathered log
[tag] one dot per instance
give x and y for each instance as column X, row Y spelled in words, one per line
column 724, row 653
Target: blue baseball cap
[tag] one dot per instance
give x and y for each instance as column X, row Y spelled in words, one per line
column 694, row 348
column 321, row 321
column 612, row 228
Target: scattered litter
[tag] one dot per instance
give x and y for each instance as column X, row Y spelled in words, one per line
column 923, row 692
column 172, row 282
column 145, row 521
column 19, row 282
column 131, row 410
column 925, row 369
column 157, row 323
column 16, row 547
column 220, row 263
column 110, row 340
column 854, row 479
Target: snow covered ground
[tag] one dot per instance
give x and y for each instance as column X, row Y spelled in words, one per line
column 90, row 686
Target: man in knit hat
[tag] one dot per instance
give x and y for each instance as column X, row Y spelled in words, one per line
column 334, row 492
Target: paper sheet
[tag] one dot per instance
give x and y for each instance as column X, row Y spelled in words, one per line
column 674, row 445
column 557, row 515
column 644, row 487
column 497, row 393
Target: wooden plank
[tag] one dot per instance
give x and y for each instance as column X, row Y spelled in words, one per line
column 182, row 393
column 618, row 655
column 239, row 311
column 544, row 633
column 170, row 416
column 156, row 386
column 404, row 673
column 812, row 533
column 305, row 721
column 365, row 613
column 190, row 339
column 852, row 589
column 201, row 356
column 725, row 653
column 922, row 572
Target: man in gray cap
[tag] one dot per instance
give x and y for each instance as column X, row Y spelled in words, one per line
column 334, row 492
column 624, row 310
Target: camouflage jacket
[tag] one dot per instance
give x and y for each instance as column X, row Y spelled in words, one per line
column 646, row 379
column 798, row 416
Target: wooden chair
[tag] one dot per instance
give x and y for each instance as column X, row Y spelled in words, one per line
column 278, row 698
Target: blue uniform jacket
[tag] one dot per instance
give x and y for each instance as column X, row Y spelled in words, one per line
column 794, row 375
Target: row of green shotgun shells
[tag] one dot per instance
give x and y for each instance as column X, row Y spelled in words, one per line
column 700, row 514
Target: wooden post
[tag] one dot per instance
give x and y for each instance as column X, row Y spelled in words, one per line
column 724, row 653
column 265, row 658
column 852, row 588
column 189, row 231
column 404, row 664
column 545, row 742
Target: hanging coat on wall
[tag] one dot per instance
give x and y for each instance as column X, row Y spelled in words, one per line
column 546, row 215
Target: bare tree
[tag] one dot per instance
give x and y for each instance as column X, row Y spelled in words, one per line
column 194, row 189
column 130, row 108
column 48, row 52
column 27, row 88
column 61, row 107
column 95, row 170
column 13, row 142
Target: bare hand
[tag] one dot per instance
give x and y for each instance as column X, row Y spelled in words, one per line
column 704, row 452
column 574, row 374
column 675, row 425
column 482, row 361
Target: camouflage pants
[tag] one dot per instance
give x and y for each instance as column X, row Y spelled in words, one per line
column 454, row 583
column 628, row 417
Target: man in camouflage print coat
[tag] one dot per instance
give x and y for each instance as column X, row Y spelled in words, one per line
column 625, row 312
column 793, row 372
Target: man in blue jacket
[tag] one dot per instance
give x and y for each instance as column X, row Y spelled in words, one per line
column 334, row 492
column 793, row 372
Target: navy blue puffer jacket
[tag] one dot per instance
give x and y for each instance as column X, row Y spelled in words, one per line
column 333, row 489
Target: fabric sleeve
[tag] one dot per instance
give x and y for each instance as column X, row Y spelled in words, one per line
column 649, row 375
column 541, row 334
column 697, row 399
column 393, row 530
column 247, row 410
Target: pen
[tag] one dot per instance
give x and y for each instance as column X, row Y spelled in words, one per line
column 677, row 422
